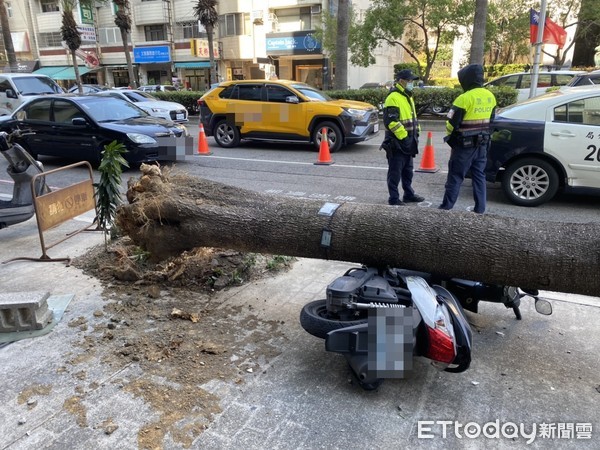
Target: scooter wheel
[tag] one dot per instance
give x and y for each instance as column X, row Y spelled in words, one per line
column 316, row 320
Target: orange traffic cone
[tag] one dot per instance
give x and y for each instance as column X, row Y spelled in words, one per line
column 202, row 143
column 428, row 159
column 324, row 156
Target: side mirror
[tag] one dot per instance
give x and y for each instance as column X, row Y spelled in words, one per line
column 79, row 121
column 543, row 306
column 11, row 93
column 292, row 99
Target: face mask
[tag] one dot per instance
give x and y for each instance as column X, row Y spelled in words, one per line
column 409, row 86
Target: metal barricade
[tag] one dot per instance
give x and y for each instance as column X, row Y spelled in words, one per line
column 60, row 205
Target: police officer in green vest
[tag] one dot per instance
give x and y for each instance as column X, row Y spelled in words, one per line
column 468, row 135
column 401, row 138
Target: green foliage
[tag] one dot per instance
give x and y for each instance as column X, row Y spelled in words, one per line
column 441, row 97
column 189, row 99
column 108, row 189
column 278, row 262
column 419, row 27
column 497, row 70
column 68, row 30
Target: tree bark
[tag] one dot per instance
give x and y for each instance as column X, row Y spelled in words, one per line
column 478, row 35
column 341, row 46
column 166, row 216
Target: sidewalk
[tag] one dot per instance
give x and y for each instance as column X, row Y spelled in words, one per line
column 59, row 392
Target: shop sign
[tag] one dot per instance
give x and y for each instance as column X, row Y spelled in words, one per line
column 154, row 54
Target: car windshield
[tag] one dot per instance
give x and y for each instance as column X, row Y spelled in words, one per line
column 139, row 96
column 518, row 106
column 37, row 85
column 109, row 109
column 311, row 92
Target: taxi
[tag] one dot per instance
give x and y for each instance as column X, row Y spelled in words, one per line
column 546, row 143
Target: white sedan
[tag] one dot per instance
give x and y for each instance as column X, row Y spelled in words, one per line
column 546, row 143
column 157, row 108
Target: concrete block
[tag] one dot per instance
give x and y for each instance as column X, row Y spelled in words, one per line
column 20, row 311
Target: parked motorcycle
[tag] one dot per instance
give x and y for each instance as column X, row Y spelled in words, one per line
column 379, row 319
column 21, row 168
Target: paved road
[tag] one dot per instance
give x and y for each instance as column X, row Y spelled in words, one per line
column 541, row 372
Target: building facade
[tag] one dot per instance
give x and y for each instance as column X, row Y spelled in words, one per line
column 254, row 39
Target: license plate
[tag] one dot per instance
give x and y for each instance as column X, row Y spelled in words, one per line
column 180, row 116
column 375, row 128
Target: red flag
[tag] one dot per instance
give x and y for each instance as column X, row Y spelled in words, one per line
column 553, row 33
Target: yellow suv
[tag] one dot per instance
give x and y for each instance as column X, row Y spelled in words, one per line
column 281, row 110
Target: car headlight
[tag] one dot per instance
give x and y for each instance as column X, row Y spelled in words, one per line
column 160, row 110
column 357, row 114
column 141, row 138
column 183, row 129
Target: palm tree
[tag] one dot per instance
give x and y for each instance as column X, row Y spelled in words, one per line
column 70, row 34
column 123, row 21
column 8, row 43
column 206, row 13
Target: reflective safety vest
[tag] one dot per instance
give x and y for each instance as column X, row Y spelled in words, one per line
column 477, row 106
column 407, row 120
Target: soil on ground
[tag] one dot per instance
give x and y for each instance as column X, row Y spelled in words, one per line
column 170, row 320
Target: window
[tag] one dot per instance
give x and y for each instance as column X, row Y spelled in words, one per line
column 111, row 35
column 9, row 9
column 53, row 39
column 65, row 112
column 234, row 24
column 39, row 110
column 188, row 30
column 4, row 85
column 249, row 92
column 277, row 93
column 155, row 32
column 294, row 19
column 49, row 6
column 571, row 112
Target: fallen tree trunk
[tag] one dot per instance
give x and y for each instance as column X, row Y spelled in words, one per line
column 167, row 215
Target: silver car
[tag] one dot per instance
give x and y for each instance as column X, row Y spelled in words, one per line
column 157, row 108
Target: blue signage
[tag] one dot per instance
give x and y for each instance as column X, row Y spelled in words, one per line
column 297, row 42
column 156, row 54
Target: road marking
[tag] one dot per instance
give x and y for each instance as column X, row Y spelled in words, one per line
column 300, row 163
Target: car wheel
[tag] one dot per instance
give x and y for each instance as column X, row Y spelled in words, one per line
column 530, row 182
column 334, row 136
column 226, row 135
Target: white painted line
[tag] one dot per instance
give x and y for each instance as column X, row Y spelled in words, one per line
column 271, row 161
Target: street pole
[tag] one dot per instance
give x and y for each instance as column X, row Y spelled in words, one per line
column 538, row 49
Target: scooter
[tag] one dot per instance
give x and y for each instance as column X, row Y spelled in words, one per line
column 380, row 319
column 21, row 168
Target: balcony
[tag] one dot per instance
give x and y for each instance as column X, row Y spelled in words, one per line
column 150, row 13
column 47, row 22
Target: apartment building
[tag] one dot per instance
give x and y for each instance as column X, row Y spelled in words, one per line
column 254, row 39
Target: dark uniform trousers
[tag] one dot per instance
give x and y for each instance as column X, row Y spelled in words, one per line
column 400, row 166
column 461, row 160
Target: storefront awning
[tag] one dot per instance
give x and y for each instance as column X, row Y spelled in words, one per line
column 50, row 70
column 193, row 65
column 62, row 72
column 68, row 73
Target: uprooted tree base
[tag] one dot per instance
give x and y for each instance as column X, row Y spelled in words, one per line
column 171, row 213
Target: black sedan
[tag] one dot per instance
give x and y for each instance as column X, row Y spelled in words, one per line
column 78, row 127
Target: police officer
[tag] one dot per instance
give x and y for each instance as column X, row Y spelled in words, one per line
column 468, row 134
column 401, row 138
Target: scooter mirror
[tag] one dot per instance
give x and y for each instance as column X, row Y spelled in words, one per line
column 543, row 306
